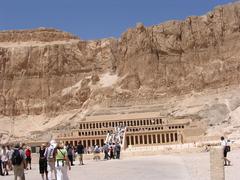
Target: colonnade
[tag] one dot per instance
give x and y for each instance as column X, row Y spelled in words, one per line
column 86, row 142
column 143, row 131
column 133, row 139
column 155, row 138
column 128, row 123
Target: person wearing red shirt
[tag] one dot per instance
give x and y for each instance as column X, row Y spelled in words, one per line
column 28, row 157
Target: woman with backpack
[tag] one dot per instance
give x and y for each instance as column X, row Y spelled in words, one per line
column 50, row 154
column 18, row 162
column 62, row 163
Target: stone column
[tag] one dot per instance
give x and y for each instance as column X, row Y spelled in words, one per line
column 134, row 140
column 151, row 138
column 156, row 138
column 216, row 164
column 144, row 142
column 130, row 140
column 147, row 139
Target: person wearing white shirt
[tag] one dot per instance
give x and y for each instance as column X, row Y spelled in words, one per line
column 226, row 149
column 4, row 159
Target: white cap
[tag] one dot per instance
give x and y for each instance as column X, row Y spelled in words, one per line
column 53, row 143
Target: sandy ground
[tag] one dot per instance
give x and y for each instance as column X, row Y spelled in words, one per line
column 188, row 166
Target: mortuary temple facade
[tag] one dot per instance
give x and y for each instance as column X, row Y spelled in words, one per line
column 141, row 129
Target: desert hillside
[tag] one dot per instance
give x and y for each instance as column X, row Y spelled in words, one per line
column 51, row 79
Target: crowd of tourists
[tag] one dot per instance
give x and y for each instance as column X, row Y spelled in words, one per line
column 14, row 158
column 118, row 135
column 55, row 159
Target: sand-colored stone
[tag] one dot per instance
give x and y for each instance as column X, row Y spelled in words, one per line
column 186, row 68
column 216, row 164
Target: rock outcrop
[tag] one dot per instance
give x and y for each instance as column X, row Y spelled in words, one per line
column 46, row 72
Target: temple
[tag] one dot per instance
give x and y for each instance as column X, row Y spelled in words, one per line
column 140, row 129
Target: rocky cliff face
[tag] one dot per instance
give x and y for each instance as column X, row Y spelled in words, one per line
column 48, row 72
column 37, row 65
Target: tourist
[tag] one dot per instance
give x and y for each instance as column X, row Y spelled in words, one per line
column 4, row 158
column 88, row 150
column 80, row 151
column 28, row 157
column 226, row 149
column 105, row 150
column 117, row 150
column 43, row 162
column 96, row 153
column 18, row 162
column 111, row 152
column 62, row 162
column 70, row 153
column 50, row 154
column 9, row 155
column 1, row 170
column 114, row 152
column 74, row 152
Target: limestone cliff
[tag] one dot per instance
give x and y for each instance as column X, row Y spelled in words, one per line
column 46, row 72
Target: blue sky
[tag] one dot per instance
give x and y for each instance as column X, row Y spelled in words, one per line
column 94, row 19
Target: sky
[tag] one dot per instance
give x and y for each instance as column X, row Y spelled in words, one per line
column 96, row 19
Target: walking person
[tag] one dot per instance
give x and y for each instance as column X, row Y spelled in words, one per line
column 70, row 154
column 62, row 163
column 96, row 153
column 117, row 150
column 9, row 155
column 111, row 152
column 106, row 150
column 18, row 162
column 43, row 162
column 50, row 155
column 28, row 157
column 1, row 170
column 4, row 158
column 80, row 151
column 226, row 149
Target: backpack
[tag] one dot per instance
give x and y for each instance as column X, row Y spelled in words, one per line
column 50, row 153
column 228, row 148
column 16, row 157
column 97, row 150
column 118, row 147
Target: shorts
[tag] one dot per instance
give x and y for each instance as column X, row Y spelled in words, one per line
column 225, row 153
column 80, row 156
column 4, row 164
column 43, row 166
column 28, row 160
